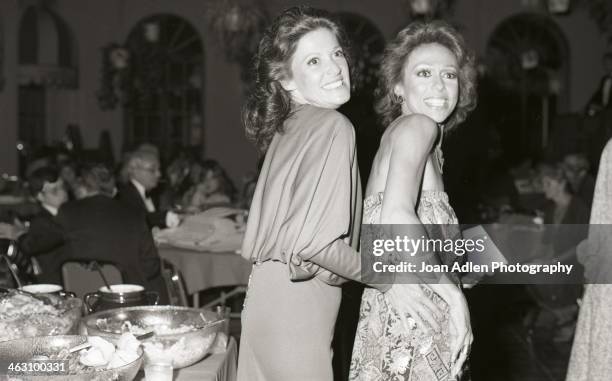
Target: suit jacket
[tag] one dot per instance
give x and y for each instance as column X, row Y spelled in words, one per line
column 45, row 240
column 101, row 228
column 129, row 196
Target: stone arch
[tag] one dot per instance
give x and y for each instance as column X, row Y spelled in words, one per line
column 529, row 45
column 46, row 49
column 528, row 68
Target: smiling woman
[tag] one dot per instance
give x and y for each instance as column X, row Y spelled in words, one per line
column 427, row 86
column 320, row 74
column 306, row 204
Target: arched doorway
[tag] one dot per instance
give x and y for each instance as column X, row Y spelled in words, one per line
column 47, row 64
column 163, row 100
column 527, row 65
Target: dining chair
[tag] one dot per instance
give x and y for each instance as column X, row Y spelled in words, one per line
column 80, row 277
column 174, row 284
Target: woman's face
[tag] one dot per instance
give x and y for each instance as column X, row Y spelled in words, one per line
column 429, row 83
column 320, row 74
column 211, row 183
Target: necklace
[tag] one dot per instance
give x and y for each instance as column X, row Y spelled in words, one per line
column 438, row 155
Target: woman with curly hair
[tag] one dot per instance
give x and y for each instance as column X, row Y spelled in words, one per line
column 307, row 202
column 419, row 330
column 214, row 189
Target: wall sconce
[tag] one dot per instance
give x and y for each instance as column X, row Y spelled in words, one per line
column 151, row 31
column 237, row 25
column 558, row 6
column 119, row 57
column 421, row 7
column 530, row 59
column 428, row 9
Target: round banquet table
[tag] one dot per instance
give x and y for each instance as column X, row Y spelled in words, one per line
column 204, row 269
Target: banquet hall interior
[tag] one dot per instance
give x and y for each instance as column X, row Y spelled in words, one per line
column 121, row 87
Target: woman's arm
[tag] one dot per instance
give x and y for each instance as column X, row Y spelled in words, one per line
column 411, row 142
column 325, row 200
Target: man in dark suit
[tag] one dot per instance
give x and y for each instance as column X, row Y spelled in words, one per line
column 98, row 227
column 143, row 173
column 44, row 239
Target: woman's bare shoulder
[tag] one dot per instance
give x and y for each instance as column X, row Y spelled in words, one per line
column 412, row 129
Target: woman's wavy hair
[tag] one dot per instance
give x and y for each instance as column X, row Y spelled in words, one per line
column 397, row 53
column 269, row 105
column 226, row 186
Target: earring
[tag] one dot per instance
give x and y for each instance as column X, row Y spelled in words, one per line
column 398, row 99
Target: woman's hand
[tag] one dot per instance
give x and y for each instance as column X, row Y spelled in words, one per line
column 413, row 299
column 461, row 328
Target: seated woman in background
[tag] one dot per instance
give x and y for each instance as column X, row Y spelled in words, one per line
column 177, row 182
column 215, row 188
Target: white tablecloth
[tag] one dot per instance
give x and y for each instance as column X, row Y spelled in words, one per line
column 203, row 270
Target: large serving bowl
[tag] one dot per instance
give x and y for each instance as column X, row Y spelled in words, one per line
column 183, row 335
column 22, row 350
column 22, row 315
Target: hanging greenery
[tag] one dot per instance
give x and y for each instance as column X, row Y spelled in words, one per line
column 238, row 26
column 113, row 78
column 130, row 74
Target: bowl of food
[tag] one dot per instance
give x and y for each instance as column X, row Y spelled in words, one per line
column 182, row 335
column 49, row 358
column 26, row 315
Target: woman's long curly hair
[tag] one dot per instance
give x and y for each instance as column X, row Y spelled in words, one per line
column 269, row 105
column 395, row 58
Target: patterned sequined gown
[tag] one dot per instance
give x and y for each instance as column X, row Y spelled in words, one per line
column 385, row 349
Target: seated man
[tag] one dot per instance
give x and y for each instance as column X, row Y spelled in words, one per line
column 44, row 238
column 143, row 173
column 98, row 227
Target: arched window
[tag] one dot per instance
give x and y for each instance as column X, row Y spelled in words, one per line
column 164, row 95
column 46, row 54
column 527, row 58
